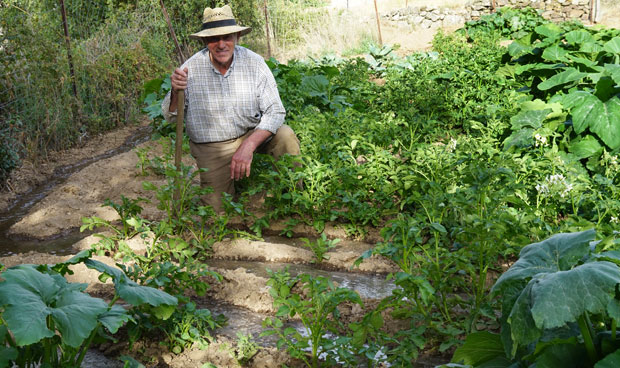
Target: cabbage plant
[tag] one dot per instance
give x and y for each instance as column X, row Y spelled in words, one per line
column 560, row 306
column 49, row 322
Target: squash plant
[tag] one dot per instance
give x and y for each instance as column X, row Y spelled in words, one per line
column 50, row 322
column 560, row 306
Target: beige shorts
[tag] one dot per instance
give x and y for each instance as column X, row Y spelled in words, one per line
column 216, row 158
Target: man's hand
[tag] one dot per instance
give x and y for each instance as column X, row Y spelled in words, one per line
column 242, row 159
column 178, row 81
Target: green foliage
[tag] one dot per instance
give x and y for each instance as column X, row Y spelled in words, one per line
column 244, row 350
column 558, row 303
column 48, row 321
column 10, row 149
column 572, row 69
column 315, row 301
column 507, row 21
column 320, row 247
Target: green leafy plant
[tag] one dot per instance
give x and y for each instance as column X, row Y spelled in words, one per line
column 320, row 247
column 559, row 303
column 315, row 301
column 48, row 321
column 244, row 350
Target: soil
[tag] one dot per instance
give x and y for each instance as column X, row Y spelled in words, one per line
column 83, row 193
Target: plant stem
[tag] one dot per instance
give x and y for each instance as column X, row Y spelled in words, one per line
column 613, row 329
column 587, row 337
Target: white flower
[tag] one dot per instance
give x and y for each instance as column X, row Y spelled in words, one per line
column 614, row 220
column 450, row 147
column 541, row 141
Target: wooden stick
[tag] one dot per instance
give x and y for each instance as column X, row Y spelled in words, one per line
column 174, row 36
column 178, row 144
column 378, row 24
column 63, row 13
column 267, row 30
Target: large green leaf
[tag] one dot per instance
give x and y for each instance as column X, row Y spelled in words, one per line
column 520, row 138
column 567, row 76
column 584, row 148
column 591, row 47
column 614, row 72
column 557, row 253
column 23, row 295
column 561, row 355
column 130, row 291
column 578, row 37
column 549, row 30
column 517, row 49
column 613, row 45
column 561, row 297
column 315, row 85
column 115, row 318
column 589, row 111
column 479, row 347
column 555, row 53
column 30, row 296
column 76, row 315
column 523, row 328
column 610, row 361
column 529, row 118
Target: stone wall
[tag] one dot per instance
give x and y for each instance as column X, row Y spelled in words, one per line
column 432, row 16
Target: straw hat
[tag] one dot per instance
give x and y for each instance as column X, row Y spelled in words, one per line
column 218, row 22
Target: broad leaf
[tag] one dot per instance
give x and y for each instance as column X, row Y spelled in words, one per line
column 479, row 347
column 562, row 297
column 30, row 296
column 567, row 76
column 610, row 361
column 554, row 54
column 578, row 37
column 76, row 315
column 115, row 318
column 315, row 85
column 584, row 148
column 136, row 295
column 602, row 118
column 529, row 118
column 520, row 138
column 558, row 253
column 613, row 45
column 130, row 291
column 550, row 30
column 561, row 355
column 614, row 72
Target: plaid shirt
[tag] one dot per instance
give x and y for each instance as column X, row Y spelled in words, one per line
column 223, row 107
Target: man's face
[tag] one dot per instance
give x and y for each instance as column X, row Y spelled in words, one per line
column 222, row 48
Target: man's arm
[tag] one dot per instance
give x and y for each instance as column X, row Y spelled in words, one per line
column 242, row 159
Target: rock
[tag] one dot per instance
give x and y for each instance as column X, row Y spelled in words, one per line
column 427, row 23
column 475, row 14
column 453, row 20
column 433, row 17
column 575, row 13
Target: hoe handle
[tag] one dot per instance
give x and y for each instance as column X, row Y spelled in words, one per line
column 179, row 138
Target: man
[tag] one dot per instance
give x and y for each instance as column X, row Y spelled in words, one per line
column 232, row 105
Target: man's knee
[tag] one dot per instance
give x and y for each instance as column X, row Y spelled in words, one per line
column 284, row 141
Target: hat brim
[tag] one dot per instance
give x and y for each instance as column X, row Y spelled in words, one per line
column 220, row 31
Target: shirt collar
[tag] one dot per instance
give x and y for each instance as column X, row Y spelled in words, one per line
column 232, row 65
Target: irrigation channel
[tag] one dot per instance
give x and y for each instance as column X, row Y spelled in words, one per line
column 43, row 227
